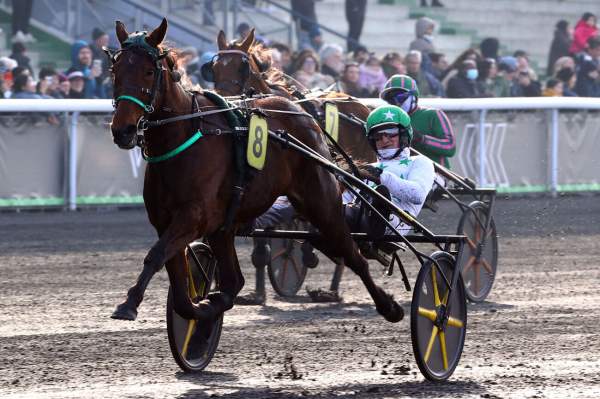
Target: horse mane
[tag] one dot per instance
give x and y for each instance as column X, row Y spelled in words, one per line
column 274, row 76
column 174, row 63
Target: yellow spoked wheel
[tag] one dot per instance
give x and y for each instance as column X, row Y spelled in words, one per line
column 286, row 268
column 193, row 344
column 438, row 319
column 478, row 258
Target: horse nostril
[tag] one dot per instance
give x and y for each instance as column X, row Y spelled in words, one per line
column 124, row 136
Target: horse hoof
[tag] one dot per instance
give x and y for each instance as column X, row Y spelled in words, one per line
column 320, row 295
column 395, row 314
column 124, row 312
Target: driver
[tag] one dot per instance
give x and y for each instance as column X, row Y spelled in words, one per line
column 433, row 134
column 407, row 178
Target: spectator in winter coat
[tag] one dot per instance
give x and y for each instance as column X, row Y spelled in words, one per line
column 554, row 88
column 81, row 58
column 563, row 62
column 588, row 79
column 584, row 30
column 439, row 64
column 429, row 86
column 465, row 84
column 507, row 71
column 393, row 64
column 569, row 79
column 560, row 44
column 372, row 77
column 18, row 54
column 349, row 81
column 332, row 60
column 489, row 48
column 24, row 87
column 306, row 68
column 424, row 31
column 525, row 86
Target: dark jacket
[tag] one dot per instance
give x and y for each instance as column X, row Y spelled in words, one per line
column 461, row 87
column 533, row 90
column 23, row 61
column 587, row 86
column 559, row 48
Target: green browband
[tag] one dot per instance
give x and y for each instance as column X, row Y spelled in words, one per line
column 175, row 151
column 147, row 108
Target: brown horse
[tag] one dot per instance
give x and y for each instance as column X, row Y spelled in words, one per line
column 245, row 67
column 187, row 195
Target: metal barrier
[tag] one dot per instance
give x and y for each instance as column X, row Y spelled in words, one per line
column 505, row 143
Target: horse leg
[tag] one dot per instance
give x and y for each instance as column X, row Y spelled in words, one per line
column 183, row 229
column 327, row 216
column 231, row 279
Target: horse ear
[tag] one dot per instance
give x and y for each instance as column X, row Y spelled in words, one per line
column 122, row 33
column 245, row 46
column 262, row 65
column 157, row 35
column 222, row 41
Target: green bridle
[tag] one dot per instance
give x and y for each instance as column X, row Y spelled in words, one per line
column 138, row 40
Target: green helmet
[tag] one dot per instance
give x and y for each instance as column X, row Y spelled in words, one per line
column 400, row 82
column 389, row 116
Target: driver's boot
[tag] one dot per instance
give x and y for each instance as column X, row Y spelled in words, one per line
column 261, row 256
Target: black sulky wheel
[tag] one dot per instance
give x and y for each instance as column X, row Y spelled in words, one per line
column 438, row 319
column 192, row 346
column 286, row 268
column 478, row 258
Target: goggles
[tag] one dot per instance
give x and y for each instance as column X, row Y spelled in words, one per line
column 388, row 133
column 400, row 97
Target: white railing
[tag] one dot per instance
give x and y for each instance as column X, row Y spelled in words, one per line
column 482, row 105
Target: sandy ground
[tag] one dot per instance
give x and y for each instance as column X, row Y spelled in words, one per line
column 61, row 274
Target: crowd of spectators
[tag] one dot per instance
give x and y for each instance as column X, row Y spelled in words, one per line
column 573, row 66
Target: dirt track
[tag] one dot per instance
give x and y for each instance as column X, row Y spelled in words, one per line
column 61, row 275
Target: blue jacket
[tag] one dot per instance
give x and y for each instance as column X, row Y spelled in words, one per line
column 92, row 89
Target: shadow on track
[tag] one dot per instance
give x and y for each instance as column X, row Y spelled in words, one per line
column 421, row 389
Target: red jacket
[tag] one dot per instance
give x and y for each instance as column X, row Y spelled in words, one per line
column 581, row 35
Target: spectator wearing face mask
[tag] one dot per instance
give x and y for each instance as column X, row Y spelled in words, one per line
column 424, row 41
column 465, row 84
column 563, row 62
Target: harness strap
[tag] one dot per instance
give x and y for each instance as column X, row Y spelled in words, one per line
column 174, row 151
column 160, row 122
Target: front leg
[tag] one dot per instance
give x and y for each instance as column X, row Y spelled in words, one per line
column 187, row 224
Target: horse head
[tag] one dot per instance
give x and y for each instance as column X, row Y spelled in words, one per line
column 141, row 69
column 237, row 67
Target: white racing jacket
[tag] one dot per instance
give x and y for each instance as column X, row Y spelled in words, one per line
column 409, row 180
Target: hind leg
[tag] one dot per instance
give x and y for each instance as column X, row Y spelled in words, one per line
column 322, row 205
